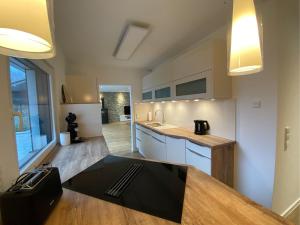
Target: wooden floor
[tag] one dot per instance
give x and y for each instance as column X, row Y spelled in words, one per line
column 117, row 136
column 75, row 158
column 295, row 216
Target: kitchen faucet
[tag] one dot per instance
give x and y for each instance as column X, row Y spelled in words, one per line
column 162, row 117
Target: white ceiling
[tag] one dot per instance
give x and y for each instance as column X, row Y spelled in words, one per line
column 88, row 30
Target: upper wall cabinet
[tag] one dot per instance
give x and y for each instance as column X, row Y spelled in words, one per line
column 163, row 93
column 147, row 95
column 160, row 76
column 192, row 62
column 200, row 72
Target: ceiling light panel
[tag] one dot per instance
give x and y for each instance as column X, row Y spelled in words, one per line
column 131, row 39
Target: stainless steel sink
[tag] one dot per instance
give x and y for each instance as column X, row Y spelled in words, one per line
column 154, row 124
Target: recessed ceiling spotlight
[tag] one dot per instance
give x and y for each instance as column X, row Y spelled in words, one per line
column 151, row 102
column 163, row 102
column 173, row 101
column 196, row 100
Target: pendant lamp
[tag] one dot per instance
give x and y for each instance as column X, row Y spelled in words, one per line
column 245, row 44
column 25, row 29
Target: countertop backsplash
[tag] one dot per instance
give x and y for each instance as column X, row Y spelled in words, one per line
column 220, row 114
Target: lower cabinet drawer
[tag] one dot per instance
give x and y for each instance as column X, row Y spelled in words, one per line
column 199, row 161
column 138, row 133
column 138, row 143
column 202, row 150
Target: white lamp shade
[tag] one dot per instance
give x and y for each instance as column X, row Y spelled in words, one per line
column 245, row 47
column 25, row 29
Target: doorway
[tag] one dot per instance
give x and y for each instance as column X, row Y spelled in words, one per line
column 116, row 118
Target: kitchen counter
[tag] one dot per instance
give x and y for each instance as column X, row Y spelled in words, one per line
column 210, row 141
column 207, row 201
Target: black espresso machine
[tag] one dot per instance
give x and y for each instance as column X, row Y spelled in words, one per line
column 31, row 199
column 201, row 127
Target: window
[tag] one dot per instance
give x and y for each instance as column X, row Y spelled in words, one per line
column 32, row 110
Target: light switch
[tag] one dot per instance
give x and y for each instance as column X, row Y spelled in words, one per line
column 287, row 135
column 256, row 104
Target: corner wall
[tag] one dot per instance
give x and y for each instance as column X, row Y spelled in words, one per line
column 256, row 127
column 286, row 186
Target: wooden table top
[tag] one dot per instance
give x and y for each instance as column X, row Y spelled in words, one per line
column 207, row 201
column 206, row 140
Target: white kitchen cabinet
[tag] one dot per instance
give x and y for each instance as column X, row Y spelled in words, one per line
column 163, row 93
column 202, row 72
column 193, row 87
column 144, row 140
column 161, row 75
column 142, row 144
column 203, row 150
column 151, row 144
column 147, row 95
column 217, row 162
column 138, row 137
column 138, row 144
column 199, row 161
column 193, row 61
column 199, row 157
column 175, row 149
column 147, row 144
column 158, row 149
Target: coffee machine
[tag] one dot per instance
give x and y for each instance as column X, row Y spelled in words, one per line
column 201, row 127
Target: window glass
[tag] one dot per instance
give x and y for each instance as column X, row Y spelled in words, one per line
column 191, row 87
column 147, row 95
column 163, row 93
column 30, row 89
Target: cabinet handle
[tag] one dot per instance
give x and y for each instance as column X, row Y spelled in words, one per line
column 158, row 140
column 146, row 133
column 203, row 156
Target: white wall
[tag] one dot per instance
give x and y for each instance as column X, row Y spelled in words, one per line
column 59, row 79
column 256, row 127
column 88, row 118
column 9, row 169
column 286, row 187
column 92, row 77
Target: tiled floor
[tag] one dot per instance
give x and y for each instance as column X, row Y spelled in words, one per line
column 117, row 137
